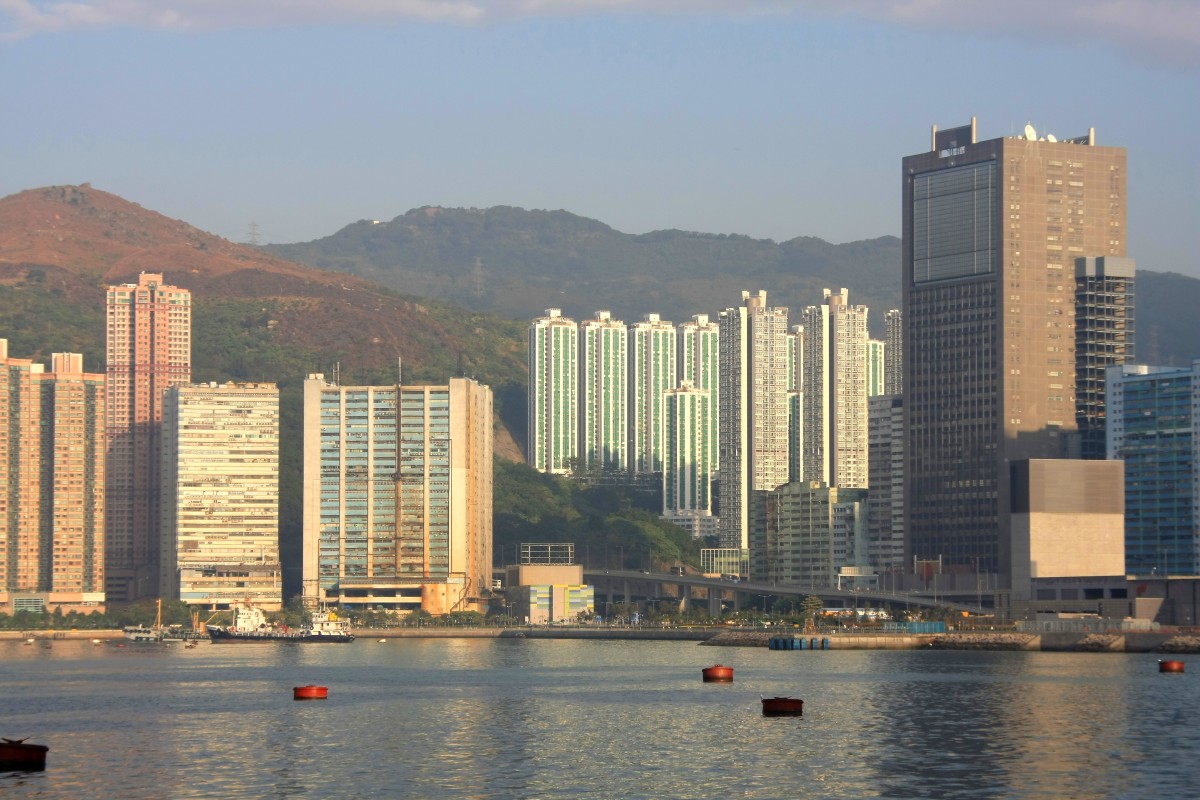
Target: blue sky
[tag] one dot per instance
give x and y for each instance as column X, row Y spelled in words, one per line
column 772, row 118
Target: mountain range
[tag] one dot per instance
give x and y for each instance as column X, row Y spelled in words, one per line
column 515, row 263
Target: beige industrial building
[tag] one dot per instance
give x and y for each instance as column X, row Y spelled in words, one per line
column 220, row 495
column 398, row 496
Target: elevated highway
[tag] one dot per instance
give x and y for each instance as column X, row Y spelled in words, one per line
column 631, row 586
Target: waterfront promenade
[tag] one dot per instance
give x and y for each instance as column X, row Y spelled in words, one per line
column 1120, row 642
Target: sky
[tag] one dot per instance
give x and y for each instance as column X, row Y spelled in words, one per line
column 285, row 120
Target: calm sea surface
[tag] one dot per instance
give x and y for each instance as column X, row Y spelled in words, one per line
column 525, row 718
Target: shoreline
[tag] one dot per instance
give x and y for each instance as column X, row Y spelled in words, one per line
column 1129, row 642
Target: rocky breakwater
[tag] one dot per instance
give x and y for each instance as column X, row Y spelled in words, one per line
column 1181, row 644
column 738, row 638
column 984, row 641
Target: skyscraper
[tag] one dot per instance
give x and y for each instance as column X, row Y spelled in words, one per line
column 553, row 421
column 651, row 375
column 149, row 343
column 754, row 410
column 698, row 362
column 990, row 234
column 398, row 495
column 220, row 495
column 603, row 399
column 52, row 468
column 1104, row 337
column 835, row 392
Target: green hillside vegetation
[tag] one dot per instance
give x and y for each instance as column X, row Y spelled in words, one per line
column 611, row 527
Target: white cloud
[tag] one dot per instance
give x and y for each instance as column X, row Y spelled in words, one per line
column 1167, row 30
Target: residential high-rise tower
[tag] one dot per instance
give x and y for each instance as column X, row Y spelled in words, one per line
column 754, row 411
column 52, row 468
column 603, row 399
column 149, row 344
column 553, row 408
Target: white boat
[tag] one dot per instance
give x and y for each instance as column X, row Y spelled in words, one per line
column 250, row 625
column 142, row 633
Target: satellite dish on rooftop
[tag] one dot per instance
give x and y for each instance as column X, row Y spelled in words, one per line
column 1030, row 133
column 1050, row 137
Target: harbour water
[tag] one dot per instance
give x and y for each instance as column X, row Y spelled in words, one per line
column 525, row 718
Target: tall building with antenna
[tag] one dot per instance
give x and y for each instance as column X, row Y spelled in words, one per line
column 991, row 232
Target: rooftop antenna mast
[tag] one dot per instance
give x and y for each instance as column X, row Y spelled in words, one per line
column 399, row 370
column 337, row 373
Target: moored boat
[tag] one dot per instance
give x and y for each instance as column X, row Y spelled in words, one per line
column 250, row 625
column 782, row 707
column 16, row 754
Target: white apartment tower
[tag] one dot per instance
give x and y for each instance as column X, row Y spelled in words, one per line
column 651, row 375
column 687, row 471
column 835, row 388
column 553, row 393
column 603, row 387
column 754, row 410
column 698, row 362
column 220, row 495
column 876, row 367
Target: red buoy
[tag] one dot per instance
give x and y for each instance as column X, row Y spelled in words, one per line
column 717, row 674
column 782, row 707
column 1170, row 666
column 310, row 692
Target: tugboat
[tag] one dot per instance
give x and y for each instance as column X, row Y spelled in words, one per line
column 250, row 625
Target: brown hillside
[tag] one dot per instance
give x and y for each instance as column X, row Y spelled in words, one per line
column 74, row 240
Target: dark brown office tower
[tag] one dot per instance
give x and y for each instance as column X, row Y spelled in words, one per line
column 1104, row 337
column 991, row 233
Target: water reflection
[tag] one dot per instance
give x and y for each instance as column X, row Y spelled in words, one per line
column 566, row 719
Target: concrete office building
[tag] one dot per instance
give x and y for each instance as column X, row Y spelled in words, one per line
column 835, row 392
column 1067, row 539
column 1153, row 416
column 603, row 394
column 1104, row 337
column 149, row 350
column 809, row 534
column 220, row 495
column 398, row 496
column 52, row 463
column 553, row 421
column 991, row 231
column 698, row 362
column 754, row 411
column 652, row 349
